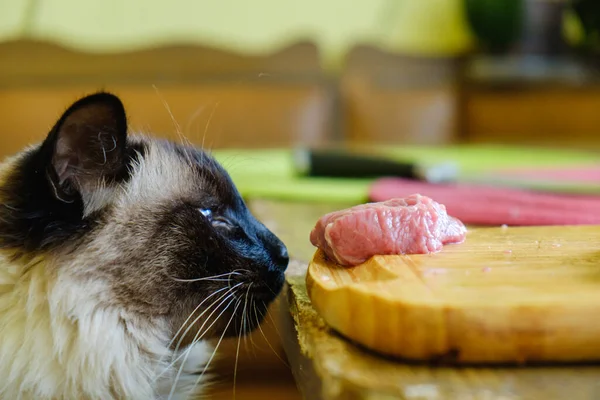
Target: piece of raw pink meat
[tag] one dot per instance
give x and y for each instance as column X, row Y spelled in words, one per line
column 412, row 225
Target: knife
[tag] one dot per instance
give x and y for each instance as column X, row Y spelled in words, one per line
column 337, row 163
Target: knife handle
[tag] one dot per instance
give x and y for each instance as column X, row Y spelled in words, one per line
column 340, row 164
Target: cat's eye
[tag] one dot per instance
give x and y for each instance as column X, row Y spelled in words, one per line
column 207, row 213
column 215, row 221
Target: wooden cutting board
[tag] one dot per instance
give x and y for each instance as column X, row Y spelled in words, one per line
column 504, row 295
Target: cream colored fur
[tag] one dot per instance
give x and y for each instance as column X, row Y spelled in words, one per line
column 62, row 335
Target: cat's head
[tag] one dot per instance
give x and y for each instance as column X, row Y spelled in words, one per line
column 159, row 225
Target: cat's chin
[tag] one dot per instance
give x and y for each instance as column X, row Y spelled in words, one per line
column 246, row 322
column 243, row 319
column 240, row 318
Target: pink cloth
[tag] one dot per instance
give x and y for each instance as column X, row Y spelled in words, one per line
column 483, row 205
column 582, row 174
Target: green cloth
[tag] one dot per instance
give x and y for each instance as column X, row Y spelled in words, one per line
column 270, row 174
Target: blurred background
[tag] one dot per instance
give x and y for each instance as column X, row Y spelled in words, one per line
column 272, row 74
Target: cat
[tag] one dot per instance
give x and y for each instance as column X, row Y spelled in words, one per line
column 122, row 259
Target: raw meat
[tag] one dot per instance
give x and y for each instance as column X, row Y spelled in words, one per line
column 412, row 225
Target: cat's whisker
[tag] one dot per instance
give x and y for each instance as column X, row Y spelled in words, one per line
column 253, row 306
column 176, row 125
column 203, row 146
column 195, row 341
column 212, row 114
column 235, row 161
column 245, row 325
column 267, row 340
column 163, row 356
column 242, row 332
column 182, row 138
column 191, row 314
column 200, row 332
column 216, row 347
column 208, row 151
column 228, row 294
column 272, row 320
column 237, row 357
column 257, row 320
column 214, row 278
column 168, row 109
column 200, row 279
column 240, row 273
column 225, row 297
column 193, row 117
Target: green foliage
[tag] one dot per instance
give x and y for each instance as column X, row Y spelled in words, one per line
column 497, row 24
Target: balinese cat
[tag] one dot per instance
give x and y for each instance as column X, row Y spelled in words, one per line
column 119, row 257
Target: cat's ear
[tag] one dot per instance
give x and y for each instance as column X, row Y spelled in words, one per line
column 86, row 146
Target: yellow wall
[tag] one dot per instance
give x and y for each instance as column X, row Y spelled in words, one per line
column 422, row 26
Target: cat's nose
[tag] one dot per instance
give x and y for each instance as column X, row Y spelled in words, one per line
column 282, row 258
column 277, row 250
column 279, row 256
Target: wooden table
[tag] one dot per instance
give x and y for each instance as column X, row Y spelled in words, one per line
column 326, row 366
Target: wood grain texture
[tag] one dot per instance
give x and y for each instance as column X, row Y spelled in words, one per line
column 505, row 295
column 327, row 366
